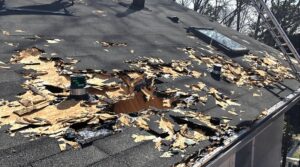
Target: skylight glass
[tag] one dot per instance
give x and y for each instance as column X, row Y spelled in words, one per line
column 222, row 39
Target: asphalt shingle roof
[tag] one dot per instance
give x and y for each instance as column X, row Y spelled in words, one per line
column 146, row 32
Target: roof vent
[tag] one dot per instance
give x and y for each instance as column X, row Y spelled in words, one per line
column 138, row 4
column 78, row 87
column 174, row 19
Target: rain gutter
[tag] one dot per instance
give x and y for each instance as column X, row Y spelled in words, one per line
column 239, row 140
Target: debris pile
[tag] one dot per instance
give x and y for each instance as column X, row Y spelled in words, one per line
column 263, row 71
column 46, row 109
column 156, row 67
column 129, row 98
column 126, row 99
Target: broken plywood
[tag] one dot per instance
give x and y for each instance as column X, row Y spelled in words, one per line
column 135, row 94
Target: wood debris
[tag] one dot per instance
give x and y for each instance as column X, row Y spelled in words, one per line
column 106, row 116
column 141, row 138
column 53, row 41
column 152, row 67
column 6, row 33
column 125, row 120
column 222, row 100
column 199, row 86
column 263, row 71
column 180, row 142
column 111, row 44
column 167, row 154
column 141, row 122
column 46, row 110
column 30, row 109
column 257, row 94
column 166, row 126
column 233, row 112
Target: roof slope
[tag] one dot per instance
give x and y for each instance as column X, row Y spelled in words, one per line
column 138, row 37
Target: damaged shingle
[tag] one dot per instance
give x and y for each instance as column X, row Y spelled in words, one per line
column 129, row 98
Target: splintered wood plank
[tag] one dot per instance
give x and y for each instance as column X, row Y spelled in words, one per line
column 138, row 103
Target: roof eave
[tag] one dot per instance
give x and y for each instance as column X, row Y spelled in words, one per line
column 239, row 140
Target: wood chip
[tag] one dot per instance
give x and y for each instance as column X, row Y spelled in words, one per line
column 63, row 146
column 167, row 103
column 261, row 73
column 148, row 94
column 5, row 33
column 158, row 143
column 141, row 138
column 199, row 135
column 105, row 116
column 96, row 81
column 232, row 112
column 53, row 41
column 203, row 99
column 167, row 154
column 166, row 126
column 124, row 120
column 31, row 109
column 142, row 123
column 179, row 142
column 196, row 74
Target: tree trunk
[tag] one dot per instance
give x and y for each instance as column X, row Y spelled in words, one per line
column 238, row 18
column 257, row 27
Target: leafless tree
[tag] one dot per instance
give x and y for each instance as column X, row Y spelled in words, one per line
column 242, row 16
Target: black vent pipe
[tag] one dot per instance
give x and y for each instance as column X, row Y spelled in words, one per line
column 138, row 4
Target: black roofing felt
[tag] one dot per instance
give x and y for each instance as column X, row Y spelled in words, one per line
column 149, row 33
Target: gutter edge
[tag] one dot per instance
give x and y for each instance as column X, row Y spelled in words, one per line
column 244, row 137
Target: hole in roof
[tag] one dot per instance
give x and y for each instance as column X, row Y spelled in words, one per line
column 139, row 103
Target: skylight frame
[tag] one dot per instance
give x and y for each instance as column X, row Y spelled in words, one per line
column 214, row 38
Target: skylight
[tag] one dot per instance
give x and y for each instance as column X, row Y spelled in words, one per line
column 213, row 37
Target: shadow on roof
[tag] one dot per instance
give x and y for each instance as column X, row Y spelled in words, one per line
column 58, row 7
column 130, row 10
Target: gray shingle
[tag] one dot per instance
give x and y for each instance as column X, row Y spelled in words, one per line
column 109, row 162
column 74, row 158
column 29, row 152
column 145, row 155
column 6, row 141
column 119, row 142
